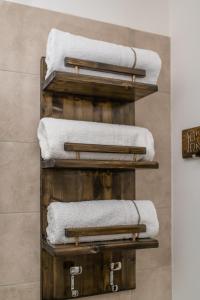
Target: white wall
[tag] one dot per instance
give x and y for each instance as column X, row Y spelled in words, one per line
column 185, row 44
column 150, row 16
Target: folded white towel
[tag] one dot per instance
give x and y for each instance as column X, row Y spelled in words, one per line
column 53, row 133
column 99, row 213
column 63, row 44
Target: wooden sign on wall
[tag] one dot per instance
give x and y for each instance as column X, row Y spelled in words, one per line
column 191, row 142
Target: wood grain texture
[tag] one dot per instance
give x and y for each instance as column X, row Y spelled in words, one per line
column 105, row 230
column 99, row 164
column 104, row 148
column 96, row 66
column 191, row 142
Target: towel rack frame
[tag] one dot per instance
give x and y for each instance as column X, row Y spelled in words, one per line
column 90, row 98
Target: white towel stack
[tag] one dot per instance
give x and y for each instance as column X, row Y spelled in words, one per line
column 53, row 133
column 99, row 213
column 63, row 44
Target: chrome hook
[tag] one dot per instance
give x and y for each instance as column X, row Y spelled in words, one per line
column 74, row 271
column 114, row 266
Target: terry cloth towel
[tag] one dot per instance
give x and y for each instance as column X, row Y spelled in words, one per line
column 64, row 44
column 53, row 133
column 99, row 213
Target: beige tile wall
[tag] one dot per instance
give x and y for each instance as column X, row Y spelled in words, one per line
column 23, row 34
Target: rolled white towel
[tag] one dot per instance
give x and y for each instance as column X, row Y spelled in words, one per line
column 64, row 44
column 98, row 213
column 53, row 133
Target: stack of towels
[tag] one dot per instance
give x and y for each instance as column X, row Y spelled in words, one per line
column 64, row 44
column 98, row 213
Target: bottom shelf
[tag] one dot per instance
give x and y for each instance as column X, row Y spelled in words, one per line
column 98, row 164
column 96, row 247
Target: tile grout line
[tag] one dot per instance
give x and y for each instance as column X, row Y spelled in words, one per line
column 20, row 212
column 20, row 283
column 20, row 142
column 19, row 72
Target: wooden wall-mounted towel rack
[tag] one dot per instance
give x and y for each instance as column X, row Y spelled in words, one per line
column 83, row 269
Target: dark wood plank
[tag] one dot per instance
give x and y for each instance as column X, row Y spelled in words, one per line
column 191, row 142
column 47, row 286
column 94, row 248
column 87, row 64
column 107, row 88
column 109, row 230
column 104, row 148
column 99, row 164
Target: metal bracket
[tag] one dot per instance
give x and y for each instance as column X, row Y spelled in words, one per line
column 74, row 271
column 114, row 266
column 76, row 69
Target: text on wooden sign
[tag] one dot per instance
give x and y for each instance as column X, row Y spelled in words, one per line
column 191, row 142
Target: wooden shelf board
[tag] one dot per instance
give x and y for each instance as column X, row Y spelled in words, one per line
column 105, row 88
column 98, row 164
column 96, row 247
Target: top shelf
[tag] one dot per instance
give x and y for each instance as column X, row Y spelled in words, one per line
column 98, row 87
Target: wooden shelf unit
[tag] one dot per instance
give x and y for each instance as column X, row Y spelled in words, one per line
column 90, row 98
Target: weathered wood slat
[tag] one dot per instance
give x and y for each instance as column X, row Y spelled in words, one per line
column 109, row 230
column 104, row 148
column 99, row 164
column 98, row 87
column 94, row 248
column 86, row 64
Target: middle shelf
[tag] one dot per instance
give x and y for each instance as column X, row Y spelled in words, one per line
column 100, row 164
